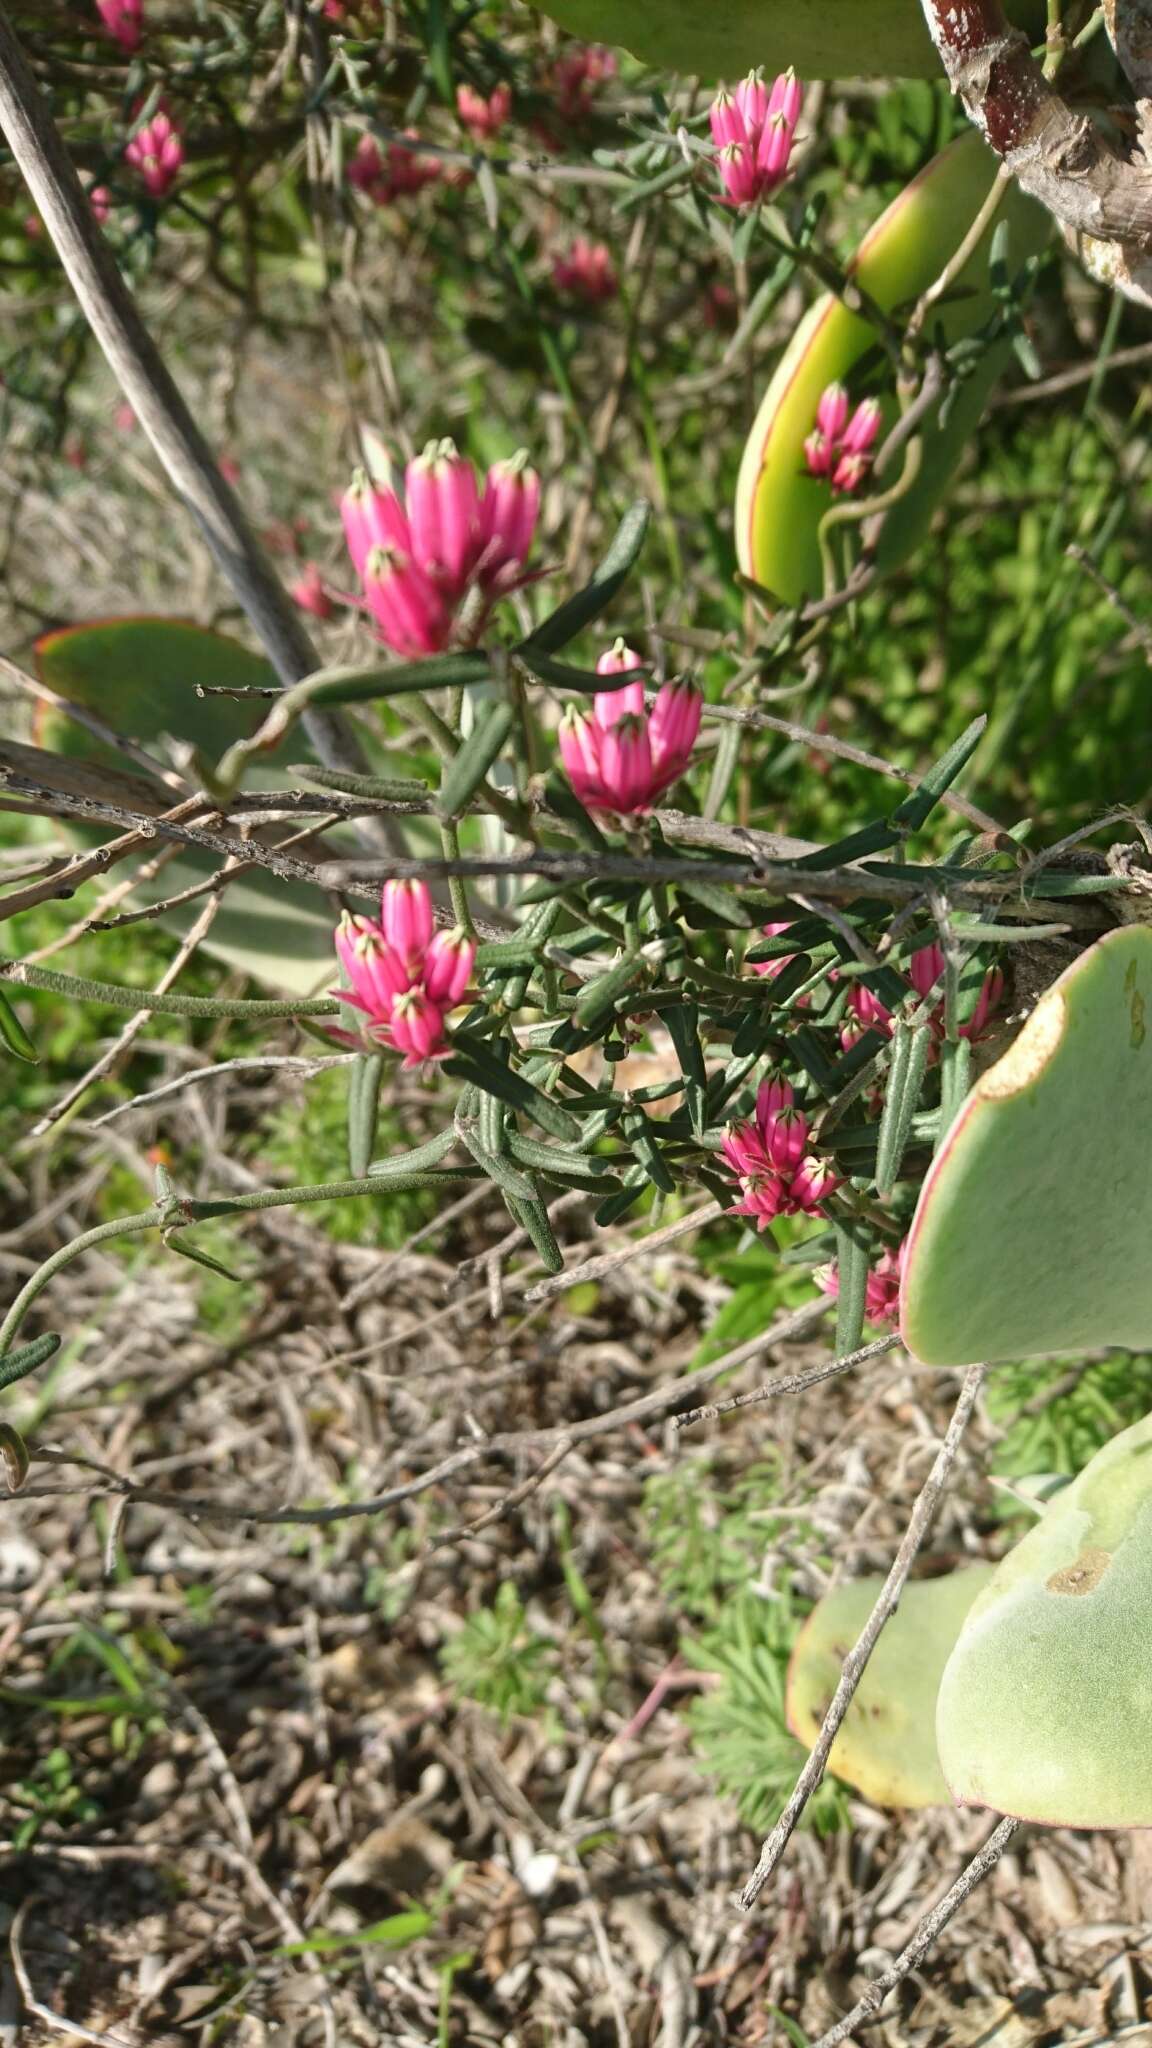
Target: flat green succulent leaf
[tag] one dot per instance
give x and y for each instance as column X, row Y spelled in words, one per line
column 886, row 1747
column 140, row 677
column 779, row 506
column 1045, row 1709
column 721, row 39
column 1032, row 1230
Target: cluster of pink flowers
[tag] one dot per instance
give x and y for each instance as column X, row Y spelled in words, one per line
column 419, row 555
column 395, row 173
column 623, row 757
column 925, row 972
column 587, row 272
column 840, row 445
column 882, row 1293
column 403, row 976
column 483, row 118
column 157, row 152
column 577, row 77
column 124, row 21
column 753, row 130
column 770, row 1156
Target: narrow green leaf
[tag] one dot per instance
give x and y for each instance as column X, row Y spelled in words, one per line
column 493, row 1165
column 918, row 807
column 187, row 1248
column 364, row 1078
column 597, row 999
column 472, row 1060
column 384, row 788
column 14, row 1036
column 416, row 1161
column 683, row 1023
column 533, row 1217
column 852, row 1274
column 638, row 1132
column 588, row 681
column 561, row 798
column 911, row 1046
column 580, row 610
column 462, row 778
column 14, row 1365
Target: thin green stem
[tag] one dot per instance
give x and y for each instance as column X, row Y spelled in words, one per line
column 170, row 1004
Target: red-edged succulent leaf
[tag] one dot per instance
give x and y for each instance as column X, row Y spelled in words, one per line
column 1045, row 1709
column 1032, row 1231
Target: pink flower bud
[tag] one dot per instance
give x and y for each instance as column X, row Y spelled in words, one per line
column 156, row 151
column 849, row 474
column 743, row 1148
column 862, row 428
column 926, row 969
column 626, row 762
column 674, row 726
column 123, row 21
column 882, row 1290
column 447, row 967
column 618, row 659
column 832, row 412
column 771, row 968
column 407, row 920
column 786, row 98
column 411, row 615
column 372, row 518
column 417, row 1028
column 587, row 272
column 810, row 1186
column 786, row 1135
column 762, row 1198
column 508, row 513
column 774, row 1096
column 751, row 97
column 726, row 120
column 578, row 75
column 609, row 706
column 482, row 117
column 384, row 176
column 311, row 592
column 870, row 1013
column 444, row 515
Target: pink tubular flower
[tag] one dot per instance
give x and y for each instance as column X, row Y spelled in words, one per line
column 771, row 968
column 392, row 174
column 156, row 151
column 925, row 972
column 411, row 615
column 769, row 1156
column 577, row 77
column 882, row 1293
column 403, row 978
column 623, row 757
column 839, row 447
column 311, row 592
column 482, row 117
column 509, row 509
column 753, row 130
column 587, row 272
column 418, row 553
column 123, row 20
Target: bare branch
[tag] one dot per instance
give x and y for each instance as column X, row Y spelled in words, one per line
column 932, row 1924
column 857, row 1658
